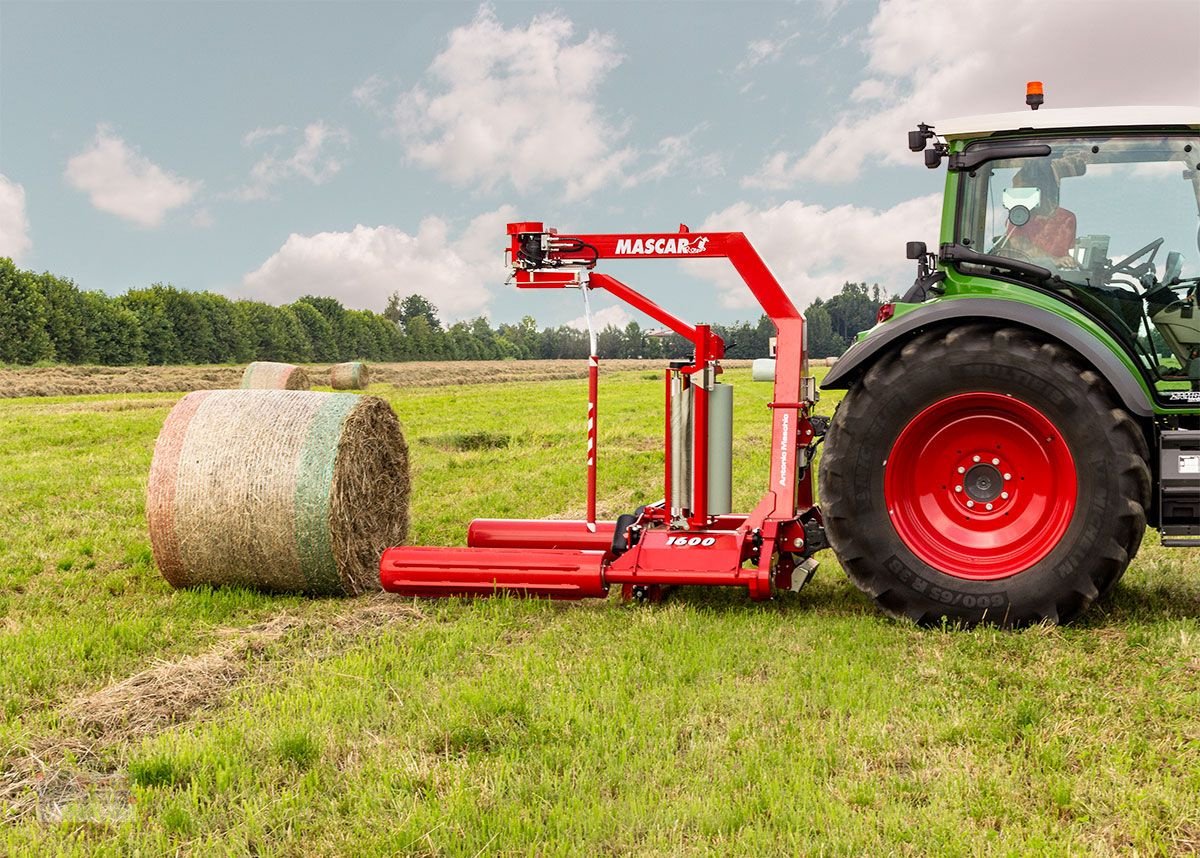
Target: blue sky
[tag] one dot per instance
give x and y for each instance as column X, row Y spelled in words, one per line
column 273, row 149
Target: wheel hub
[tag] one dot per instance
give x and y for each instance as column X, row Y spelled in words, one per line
column 981, row 483
column 980, row 486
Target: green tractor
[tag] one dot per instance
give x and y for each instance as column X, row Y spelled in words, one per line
column 1015, row 421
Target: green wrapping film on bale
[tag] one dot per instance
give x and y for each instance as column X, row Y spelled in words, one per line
column 268, row 375
column 348, row 376
column 284, row 491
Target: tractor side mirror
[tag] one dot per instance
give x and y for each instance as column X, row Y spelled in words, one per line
column 915, row 249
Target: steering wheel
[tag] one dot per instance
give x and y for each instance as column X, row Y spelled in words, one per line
column 1014, row 252
column 1126, row 265
column 1021, row 254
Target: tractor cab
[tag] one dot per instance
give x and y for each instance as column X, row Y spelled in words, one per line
column 1100, row 208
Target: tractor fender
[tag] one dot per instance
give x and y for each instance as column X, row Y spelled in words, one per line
column 860, row 355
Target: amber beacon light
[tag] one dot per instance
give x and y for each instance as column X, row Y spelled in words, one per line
column 1033, row 94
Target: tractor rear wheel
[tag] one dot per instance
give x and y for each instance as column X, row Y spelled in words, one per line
column 984, row 475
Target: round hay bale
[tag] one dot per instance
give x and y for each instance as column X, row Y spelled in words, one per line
column 831, row 361
column 269, row 375
column 283, row 491
column 349, row 376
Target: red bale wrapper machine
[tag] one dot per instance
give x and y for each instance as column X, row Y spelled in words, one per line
column 691, row 536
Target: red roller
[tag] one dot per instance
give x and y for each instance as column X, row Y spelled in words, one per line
column 539, row 534
column 556, row 574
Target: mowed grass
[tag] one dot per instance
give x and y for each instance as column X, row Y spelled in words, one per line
column 710, row 725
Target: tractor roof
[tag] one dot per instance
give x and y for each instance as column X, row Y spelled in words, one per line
column 1072, row 118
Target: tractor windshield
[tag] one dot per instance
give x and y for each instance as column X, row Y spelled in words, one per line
column 1116, row 220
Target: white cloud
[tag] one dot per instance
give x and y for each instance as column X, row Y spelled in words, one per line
column 671, row 155
column 14, row 225
column 812, row 250
column 759, row 51
column 925, row 64
column 518, row 105
column 120, row 181
column 364, row 266
column 615, row 315
column 369, row 93
column 309, row 160
column 264, row 133
column 873, row 89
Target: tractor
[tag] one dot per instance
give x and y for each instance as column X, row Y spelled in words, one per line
column 1013, row 423
column 1010, row 426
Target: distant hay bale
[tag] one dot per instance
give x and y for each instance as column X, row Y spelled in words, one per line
column 283, row 491
column 269, row 375
column 831, row 361
column 349, row 376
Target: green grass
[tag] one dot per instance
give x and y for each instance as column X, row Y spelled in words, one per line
column 710, row 725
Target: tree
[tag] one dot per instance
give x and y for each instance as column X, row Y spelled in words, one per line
column 23, row 337
column 359, row 340
column 335, row 314
column 278, row 334
column 390, row 338
column 853, row 309
column 320, row 332
column 66, row 322
column 230, row 340
column 822, row 341
column 633, row 341
column 462, row 344
column 421, row 340
column 404, row 310
column 191, row 325
column 609, row 342
column 113, row 334
column 162, row 346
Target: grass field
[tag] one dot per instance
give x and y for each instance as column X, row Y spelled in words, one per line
column 140, row 720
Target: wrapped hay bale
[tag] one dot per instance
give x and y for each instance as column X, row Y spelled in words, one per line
column 831, row 361
column 268, row 375
column 284, row 491
column 348, row 376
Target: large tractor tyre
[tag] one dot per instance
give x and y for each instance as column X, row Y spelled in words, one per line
column 984, row 475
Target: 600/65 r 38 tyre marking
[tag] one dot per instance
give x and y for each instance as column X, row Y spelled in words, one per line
column 980, row 485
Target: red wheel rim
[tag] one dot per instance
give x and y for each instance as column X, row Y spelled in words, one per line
column 980, row 486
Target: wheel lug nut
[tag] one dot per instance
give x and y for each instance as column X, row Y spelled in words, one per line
column 962, row 470
column 1008, row 476
column 1004, row 495
column 958, row 488
column 989, row 506
column 976, row 459
column 971, row 503
column 995, row 461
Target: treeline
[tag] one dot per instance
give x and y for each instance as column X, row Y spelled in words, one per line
column 834, row 322
column 46, row 318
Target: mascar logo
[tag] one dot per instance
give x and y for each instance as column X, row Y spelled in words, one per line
column 642, row 246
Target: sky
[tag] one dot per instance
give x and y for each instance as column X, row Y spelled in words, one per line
column 269, row 150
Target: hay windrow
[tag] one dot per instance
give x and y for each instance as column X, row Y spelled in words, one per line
column 268, row 375
column 283, row 491
column 84, row 380
column 170, row 691
column 71, row 776
column 349, row 376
